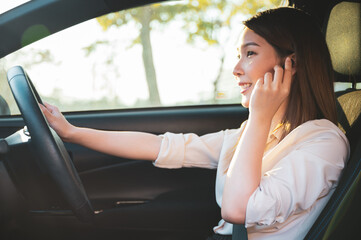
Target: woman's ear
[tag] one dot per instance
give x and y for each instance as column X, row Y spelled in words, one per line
column 294, row 63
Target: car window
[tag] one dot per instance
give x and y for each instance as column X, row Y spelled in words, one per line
column 170, row 54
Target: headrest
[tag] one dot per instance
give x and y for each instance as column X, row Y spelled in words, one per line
column 343, row 36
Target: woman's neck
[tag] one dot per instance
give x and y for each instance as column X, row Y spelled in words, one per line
column 278, row 117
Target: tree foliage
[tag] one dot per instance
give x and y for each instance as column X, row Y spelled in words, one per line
column 202, row 20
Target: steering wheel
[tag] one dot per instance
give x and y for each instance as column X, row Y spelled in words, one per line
column 47, row 144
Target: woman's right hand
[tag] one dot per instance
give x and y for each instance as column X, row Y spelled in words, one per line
column 271, row 91
column 57, row 121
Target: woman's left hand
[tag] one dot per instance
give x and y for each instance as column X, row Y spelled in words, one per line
column 268, row 94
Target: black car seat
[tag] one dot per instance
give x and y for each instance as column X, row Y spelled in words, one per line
column 340, row 219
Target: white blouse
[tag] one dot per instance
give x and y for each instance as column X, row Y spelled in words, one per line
column 299, row 174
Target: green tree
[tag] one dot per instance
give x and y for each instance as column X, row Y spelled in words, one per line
column 143, row 16
column 203, row 20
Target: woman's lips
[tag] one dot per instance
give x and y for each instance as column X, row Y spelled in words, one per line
column 244, row 87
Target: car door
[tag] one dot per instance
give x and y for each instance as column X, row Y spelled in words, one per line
column 137, row 195
column 131, row 196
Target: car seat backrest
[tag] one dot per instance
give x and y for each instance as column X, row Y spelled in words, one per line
column 349, row 114
column 343, row 37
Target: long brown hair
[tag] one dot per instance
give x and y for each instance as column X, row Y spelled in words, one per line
column 292, row 31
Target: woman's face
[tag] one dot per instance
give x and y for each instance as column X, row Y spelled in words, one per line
column 256, row 57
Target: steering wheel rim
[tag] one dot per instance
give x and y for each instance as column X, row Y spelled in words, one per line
column 47, row 144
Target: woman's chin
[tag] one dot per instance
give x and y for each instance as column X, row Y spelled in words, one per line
column 245, row 103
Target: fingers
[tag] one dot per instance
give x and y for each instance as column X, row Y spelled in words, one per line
column 43, row 109
column 49, row 111
column 259, row 83
column 48, row 115
column 47, row 105
column 274, row 80
column 287, row 76
column 281, row 78
column 51, row 108
column 267, row 79
column 278, row 75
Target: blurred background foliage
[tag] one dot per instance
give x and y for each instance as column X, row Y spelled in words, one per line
column 202, row 21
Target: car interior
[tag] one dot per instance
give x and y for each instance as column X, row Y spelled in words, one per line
column 342, row 30
column 134, row 199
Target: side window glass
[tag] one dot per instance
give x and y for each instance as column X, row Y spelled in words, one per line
column 7, row 102
column 169, row 54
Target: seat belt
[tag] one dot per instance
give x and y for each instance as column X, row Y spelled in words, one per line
column 239, row 232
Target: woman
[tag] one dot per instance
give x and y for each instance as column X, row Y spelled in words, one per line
column 277, row 171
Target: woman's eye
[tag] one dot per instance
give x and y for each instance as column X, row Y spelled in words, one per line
column 250, row 53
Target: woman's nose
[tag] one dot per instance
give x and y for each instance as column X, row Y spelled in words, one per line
column 237, row 70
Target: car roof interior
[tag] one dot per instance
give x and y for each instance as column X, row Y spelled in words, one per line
column 340, row 21
column 57, row 14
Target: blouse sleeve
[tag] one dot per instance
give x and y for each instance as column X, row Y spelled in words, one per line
column 293, row 185
column 190, row 150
